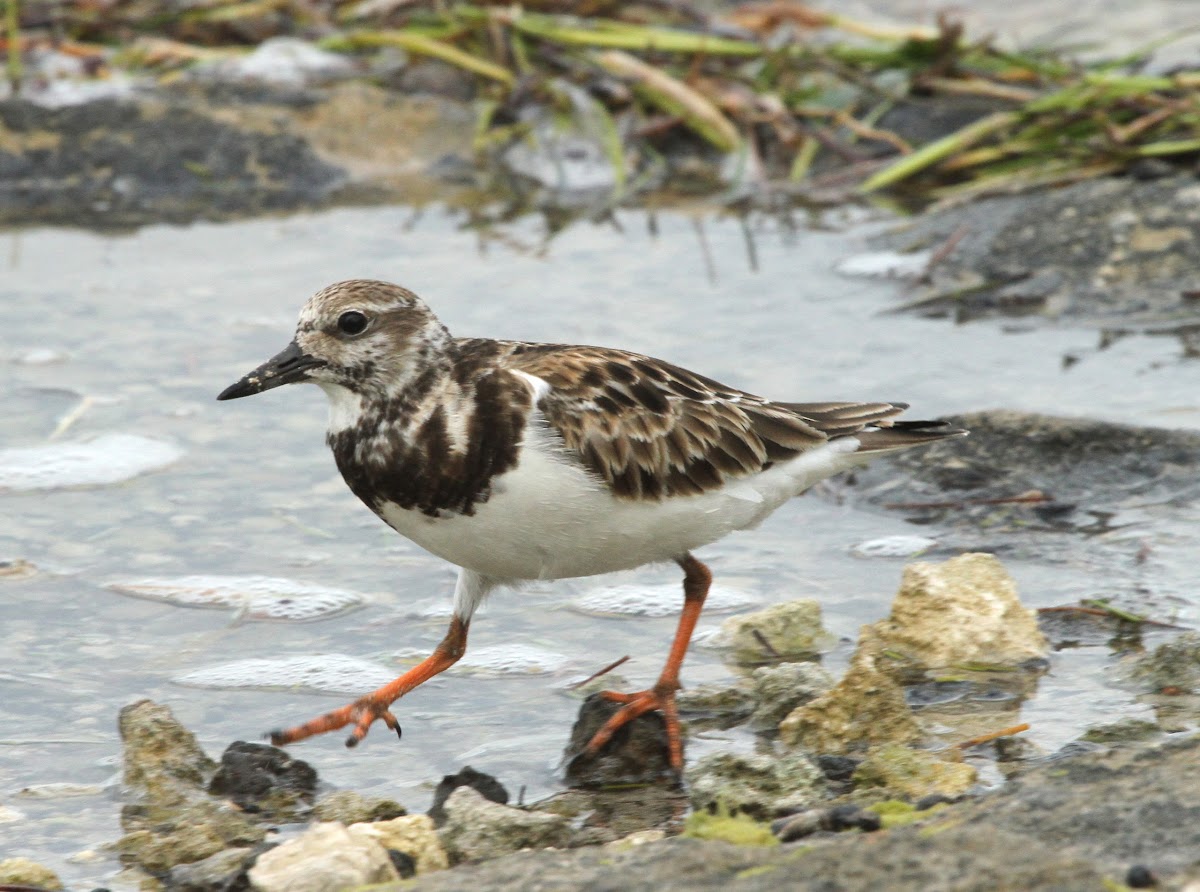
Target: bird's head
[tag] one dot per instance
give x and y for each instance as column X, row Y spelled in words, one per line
column 361, row 336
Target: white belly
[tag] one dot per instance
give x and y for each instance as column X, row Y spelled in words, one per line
column 549, row 519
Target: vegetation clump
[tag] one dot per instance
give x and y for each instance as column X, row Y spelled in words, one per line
column 804, row 97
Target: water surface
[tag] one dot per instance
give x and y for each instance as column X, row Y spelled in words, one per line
column 136, row 335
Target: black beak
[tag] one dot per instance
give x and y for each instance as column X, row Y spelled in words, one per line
column 286, row 367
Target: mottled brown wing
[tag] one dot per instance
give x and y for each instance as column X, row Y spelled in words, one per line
column 652, row 430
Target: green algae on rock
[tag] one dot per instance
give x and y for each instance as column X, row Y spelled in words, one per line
column 789, row 631
column 761, row 786
column 739, row 829
column 913, row 773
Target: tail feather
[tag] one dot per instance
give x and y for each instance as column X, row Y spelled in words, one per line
column 903, row 434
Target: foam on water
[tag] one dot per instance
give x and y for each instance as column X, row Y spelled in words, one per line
column 108, row 459
column 512, row 659
column 894, row 546
column 656, row 600
column 497, row 660
column 322, row 673
column 886, row 264
column 254, row 597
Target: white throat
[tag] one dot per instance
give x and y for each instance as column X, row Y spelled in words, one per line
column 345, row 406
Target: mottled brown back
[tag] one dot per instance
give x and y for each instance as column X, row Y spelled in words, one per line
column 651, row 430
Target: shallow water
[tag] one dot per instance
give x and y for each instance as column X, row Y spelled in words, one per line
column 137, row 334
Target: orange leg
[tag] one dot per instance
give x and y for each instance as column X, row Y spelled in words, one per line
column 365, row 710
column 696, row 580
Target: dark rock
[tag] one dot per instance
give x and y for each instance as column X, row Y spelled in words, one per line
column 1088, row 469
column 797, row 826
column 1074, row 750
column 833, row 820
column 927, row 802
column 486, row 785
column 121, row 163
column 852, row 817
column 636, row 754
column 604, row 816
column 404, row 863
column 1076, row 824
column 1079, row 628
column 223, row 872
column 1172, row 666
column 837, row 768
column 261, row 778
column 1140, row 877
column 1139, row 255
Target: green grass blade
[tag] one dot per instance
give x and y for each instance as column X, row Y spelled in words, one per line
column 613, row 34
column 12, row 30
column 936, row 151
column 422, row 45
column 674, row 97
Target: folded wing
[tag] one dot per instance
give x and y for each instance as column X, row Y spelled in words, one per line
column 652, row 430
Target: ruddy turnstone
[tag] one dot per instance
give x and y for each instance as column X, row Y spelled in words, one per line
column 519, row 461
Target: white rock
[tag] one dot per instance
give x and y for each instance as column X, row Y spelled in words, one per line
column 412, row 834
column 327, row 858
column 965, row 610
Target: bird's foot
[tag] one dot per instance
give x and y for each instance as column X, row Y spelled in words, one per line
column 661, row 697
column 362, row 713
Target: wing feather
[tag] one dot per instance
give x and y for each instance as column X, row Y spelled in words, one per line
column 652, row 430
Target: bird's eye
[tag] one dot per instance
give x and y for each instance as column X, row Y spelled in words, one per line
column 352, row 322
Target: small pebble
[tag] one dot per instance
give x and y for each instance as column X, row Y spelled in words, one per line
column 1140, row 877
column 927, row 802
column 837, row 768
column 835, row 820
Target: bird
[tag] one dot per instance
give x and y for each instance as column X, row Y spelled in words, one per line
column 519, row 461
